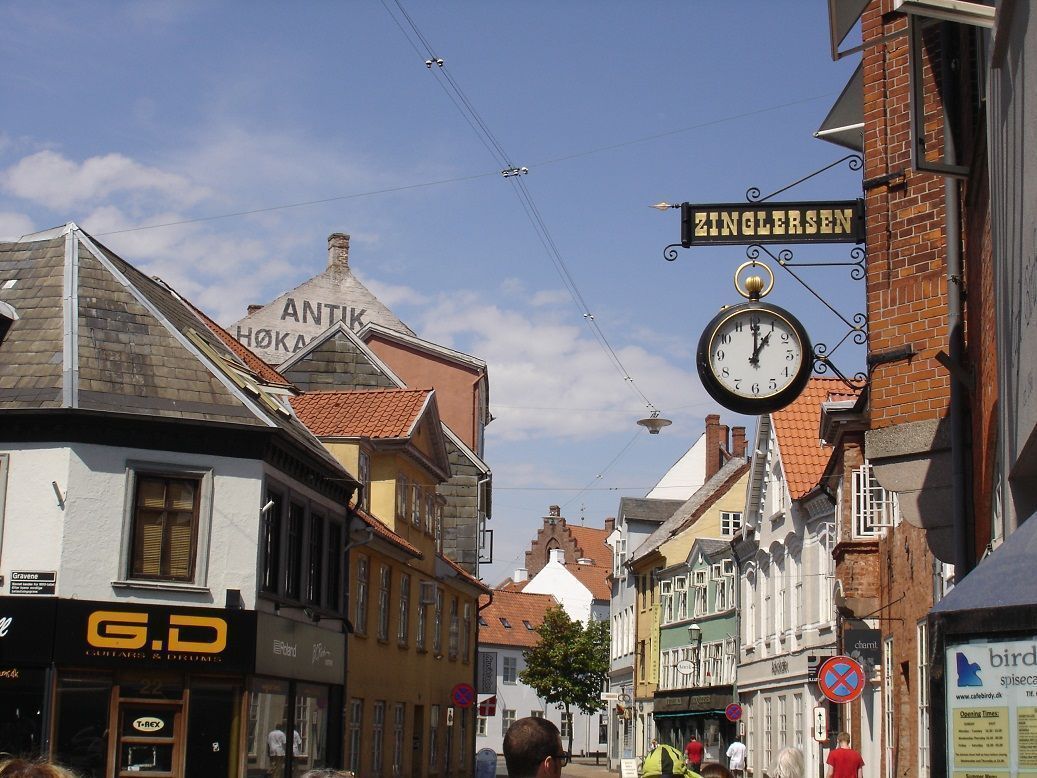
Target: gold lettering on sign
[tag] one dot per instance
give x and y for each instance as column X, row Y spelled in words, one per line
column 213, row 646
column 117, row 629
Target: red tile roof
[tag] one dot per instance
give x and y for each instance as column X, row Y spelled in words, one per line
column 796, row 428
column 374, row 413
column 591, row 541
column 258, row 366
column 517, row 608
column 595, row 578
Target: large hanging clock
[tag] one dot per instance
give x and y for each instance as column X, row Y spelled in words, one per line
column 754, row 357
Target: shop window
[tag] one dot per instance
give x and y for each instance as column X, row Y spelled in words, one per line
column 403, row 627
column 21, row 719
column 360, row 614
column 169, row 506
column 267, row 720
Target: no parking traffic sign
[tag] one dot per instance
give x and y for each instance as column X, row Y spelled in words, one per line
column 463, row 695
column 841, row 679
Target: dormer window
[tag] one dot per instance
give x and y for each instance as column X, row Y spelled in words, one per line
column 7, row 317
column 527, row 624
column 505, row 622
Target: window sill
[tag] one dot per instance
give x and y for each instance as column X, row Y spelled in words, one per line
column 162, row 586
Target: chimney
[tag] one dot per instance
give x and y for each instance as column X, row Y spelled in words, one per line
column 521, row 574
column 253, row 308
column 338, row 251
column 738, row 442
column 716, row 444
column 610, row 525
column 557, row 555
column 554, row 513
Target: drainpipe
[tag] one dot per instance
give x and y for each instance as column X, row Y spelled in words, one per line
column 955, row 283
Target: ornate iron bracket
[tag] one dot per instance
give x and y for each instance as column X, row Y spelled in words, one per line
column 855, row 161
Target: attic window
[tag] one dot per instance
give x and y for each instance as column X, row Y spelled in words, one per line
column 505, row 622
column 7, row 318
column 527, row 624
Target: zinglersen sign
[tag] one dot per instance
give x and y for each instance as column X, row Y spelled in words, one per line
column 746, row 223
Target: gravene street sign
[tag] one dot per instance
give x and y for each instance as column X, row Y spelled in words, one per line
column 740, row 224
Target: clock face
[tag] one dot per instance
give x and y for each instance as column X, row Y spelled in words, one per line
column 754, row 358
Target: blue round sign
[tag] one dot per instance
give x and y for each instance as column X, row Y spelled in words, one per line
column 841, row 679
column 733, row 711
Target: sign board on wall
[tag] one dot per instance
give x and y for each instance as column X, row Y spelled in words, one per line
column 487, row 672
column 34, row 582
column 292, row 649
column 742, row 224
column 991, row 707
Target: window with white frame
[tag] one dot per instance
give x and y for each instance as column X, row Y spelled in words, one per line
column 384, row 600
column 797, row 720
column 796, row 577
column 924, row 755
column 364, row 477
column 767, row 610
column 356, row 715
column 680, row 597
column 873, row 506
column 509, row 671
column 168, row 523
column 437, row 624
column 714, row 664
column 360, row 614
column 399, row 718
column 454, row 629
column 619, row 558
column 780, row 587
column 480, row 726
column 567, row 725
column 724, row 591
column 730, row 523
column 768, row 726
column 404, row 624
column 783, row 722
column 750, row 600
column 377, row 736
column 666, row 600
column 466, row 634
column 507, row 719
column 700, row 588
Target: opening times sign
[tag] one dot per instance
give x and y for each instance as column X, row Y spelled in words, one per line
column 992, row 709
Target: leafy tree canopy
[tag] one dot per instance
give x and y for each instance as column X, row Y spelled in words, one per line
column 569, row 664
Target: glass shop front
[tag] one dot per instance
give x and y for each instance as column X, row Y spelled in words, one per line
column 120, row 689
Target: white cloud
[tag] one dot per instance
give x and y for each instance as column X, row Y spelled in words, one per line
column 14, row 225
column 549, row 378
column 396, row 295
column 549, row 297
column 59, row 183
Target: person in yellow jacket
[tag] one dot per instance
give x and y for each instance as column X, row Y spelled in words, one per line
column 666, row 762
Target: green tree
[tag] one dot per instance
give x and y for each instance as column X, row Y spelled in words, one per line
column 569, row 664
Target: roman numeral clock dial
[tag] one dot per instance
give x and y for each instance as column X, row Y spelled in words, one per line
column 754, row 358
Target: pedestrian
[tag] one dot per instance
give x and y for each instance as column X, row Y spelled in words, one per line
column 653, row 745
column 736, row 753
column 533, row 749
column 789, row 764
column 23, row 768
column 843, row 761
column 695, row 752
column 666, row 762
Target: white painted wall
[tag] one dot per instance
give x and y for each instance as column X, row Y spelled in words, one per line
column 684, row 478
column 574, row 597
column 85, row 540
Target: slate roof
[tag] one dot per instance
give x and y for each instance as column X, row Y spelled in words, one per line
column 711, row 547
column 95, row 334
column 796, row 428
column 371, row 413
column 648, row 509
column 517, row 608
column 711, row 491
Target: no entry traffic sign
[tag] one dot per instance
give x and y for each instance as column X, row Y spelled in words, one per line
column 463, row 695
column 841, row 679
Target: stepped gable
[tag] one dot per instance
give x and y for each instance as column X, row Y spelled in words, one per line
column 577, row 541
column 517, row 608
column 797, row 430
column 278, row 329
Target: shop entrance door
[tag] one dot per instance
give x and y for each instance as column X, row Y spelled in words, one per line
column 150, row 739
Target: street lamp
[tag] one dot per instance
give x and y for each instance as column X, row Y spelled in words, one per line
column 654, row 423
column 694, row 632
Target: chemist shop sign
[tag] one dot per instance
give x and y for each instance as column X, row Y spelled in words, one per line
column 991, row 690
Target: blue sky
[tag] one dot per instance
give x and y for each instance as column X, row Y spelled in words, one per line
column 127, row 115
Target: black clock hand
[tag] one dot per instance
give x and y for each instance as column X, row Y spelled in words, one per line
column 756, row 343
column 755, row 358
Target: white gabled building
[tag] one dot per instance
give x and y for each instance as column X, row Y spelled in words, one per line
column 784, row 552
